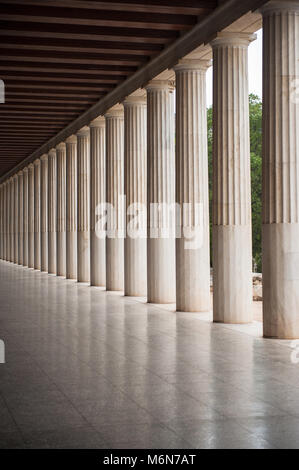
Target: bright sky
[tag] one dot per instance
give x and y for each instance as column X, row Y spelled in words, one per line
column 254, row 70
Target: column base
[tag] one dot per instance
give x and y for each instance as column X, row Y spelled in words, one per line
column 281, row 281
column 161, row 283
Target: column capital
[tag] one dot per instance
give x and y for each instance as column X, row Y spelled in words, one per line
column 192, row 64
column 72, row 139
column 98, row 122
column 15, row 176
column 84, row 132
column 116, row 111
column 20, row 173
column 25, row 170
column 30, row 166
column 52, row 153
column 60, row 146
column 157, row 84
column 36, row 162
column 229, row 38
column 133, row 100
column 44, row 157
column 279, row 6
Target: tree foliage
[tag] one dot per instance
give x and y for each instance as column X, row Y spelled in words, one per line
column 255, row 120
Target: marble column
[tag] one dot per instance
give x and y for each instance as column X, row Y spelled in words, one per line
column 20, row 217
column 192, row 188
column 232, row 246
column 25, row 216
column 135, row 169
column 114, row 197
column 97, row 198
column 37, row 235
column 44, row 212
column 160, row 193
column 71, row 207
column 12, row 220
column 52, row 201
column 83, row 205
column 61, row 209
column 16, row 219
column 8, row 197
column 1, row 220
column 4, row 220
column 280, row 184
column 31, row 215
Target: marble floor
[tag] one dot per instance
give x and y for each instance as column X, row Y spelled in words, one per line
column 90, row 369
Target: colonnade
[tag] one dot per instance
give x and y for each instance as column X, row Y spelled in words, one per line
column 53, row 212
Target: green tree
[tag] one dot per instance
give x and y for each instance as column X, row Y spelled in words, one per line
column 255, row 121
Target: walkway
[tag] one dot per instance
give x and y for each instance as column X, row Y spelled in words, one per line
column 90, row 369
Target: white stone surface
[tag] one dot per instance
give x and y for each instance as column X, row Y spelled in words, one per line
column 61, row 209
column 71, row 207
column 97, row 197
column 52, row 208
column 37, row 236
column 83, row 208
column 44, row 212
column 192, row 187
column 135, row 171
column 20, row 217
column 232, row 250
column 160, row 189
column 114, row 191
column 280, row 245
column 16, row 219
column 25, row 216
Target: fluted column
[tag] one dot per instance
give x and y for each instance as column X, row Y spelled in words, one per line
column 8, row 197
column 71, row 207
column 97, row 197
column 232, row 250
column 16, row 219
column 61, row 209
column 12, row 220
column 44, row 212
column 20, row 217
column 52, row 201
column 192, row 188
column 4, row 220
column 135, row 169
column 31, row 215
column 280, row 188
column 25, row 216
column 114, row 196
column 83, row 201
column 160, row 192
column 1, row 220
column 37, row 237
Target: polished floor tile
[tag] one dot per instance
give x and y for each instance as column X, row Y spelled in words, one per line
column 87, row 368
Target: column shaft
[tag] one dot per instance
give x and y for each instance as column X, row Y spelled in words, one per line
column 232, row 252
column 44, row 212
column 25, row 217
column 37, row 238
column 97, row 198
column 71, row 207
column 52, row 200
column 21, row 217
column 12, row 220
column 114, row 197
column 280, row 237
column 135, row 169
column 61, row 208
column 160, row 193
column 31, row 215
column 83, row 198
column 16, row 219
column 192, row 188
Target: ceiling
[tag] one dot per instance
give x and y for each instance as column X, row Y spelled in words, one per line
column 59, row 57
